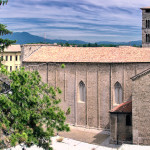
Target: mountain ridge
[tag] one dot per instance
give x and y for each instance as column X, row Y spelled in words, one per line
column 26, row 38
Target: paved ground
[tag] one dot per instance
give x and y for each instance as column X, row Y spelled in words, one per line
column 85, row 139
column 69, row 144
column 90, row 136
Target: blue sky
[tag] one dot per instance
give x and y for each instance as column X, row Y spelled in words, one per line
column 88, row 20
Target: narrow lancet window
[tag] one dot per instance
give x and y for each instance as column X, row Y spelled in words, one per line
column 81, row 91
column 118, row 93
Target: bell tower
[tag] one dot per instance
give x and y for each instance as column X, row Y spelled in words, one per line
column 145, row 27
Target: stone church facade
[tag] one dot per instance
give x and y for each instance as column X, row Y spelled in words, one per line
column 96, row 81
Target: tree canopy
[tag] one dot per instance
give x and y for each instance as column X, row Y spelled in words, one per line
column 29, row 112
column 4, row 43
column 2, row 2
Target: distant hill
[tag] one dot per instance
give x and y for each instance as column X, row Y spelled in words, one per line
column 131, row 43
column 25, row 37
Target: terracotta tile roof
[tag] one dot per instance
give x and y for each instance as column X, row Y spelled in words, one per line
column 123, row 108
column 13, row 48
column 90, row 54
column 145, row 8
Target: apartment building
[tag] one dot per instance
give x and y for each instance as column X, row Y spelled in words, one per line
column 12, row 57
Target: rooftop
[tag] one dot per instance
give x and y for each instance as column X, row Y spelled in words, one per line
column 146, row 7
column 123, row 108
column 13, row 48
column 90, row 54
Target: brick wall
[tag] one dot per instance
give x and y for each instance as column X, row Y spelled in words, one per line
column 141, row 110
column 120, row 132
column 99, row 80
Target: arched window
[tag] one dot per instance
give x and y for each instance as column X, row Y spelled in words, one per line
column 82, row 91
column 118, row 93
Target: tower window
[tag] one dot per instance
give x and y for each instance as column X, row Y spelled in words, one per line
column 147, row 23
column 118, row 93
column 81, row 91
column 147, row 38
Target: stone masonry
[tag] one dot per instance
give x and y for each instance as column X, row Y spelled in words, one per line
column 141, row 109
column 145, row 26
column 99, row 79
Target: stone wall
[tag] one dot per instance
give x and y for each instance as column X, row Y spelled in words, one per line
column 99, row 80
column 120, row 132
column 141, row 110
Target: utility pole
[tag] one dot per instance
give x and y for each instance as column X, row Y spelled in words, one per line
column 44, row 37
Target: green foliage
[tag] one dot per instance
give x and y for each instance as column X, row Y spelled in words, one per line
column 67, row 44
column 30, row 113
column 63, row 66
column 4, row 43
column 2, row 2
column 68, row 111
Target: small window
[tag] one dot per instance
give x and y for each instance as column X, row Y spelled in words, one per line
column 10, row 68
column 16, row 67
column 1, row 58
column 6, row 58
column 6, row 67
column 128, row 120
column 16, row 57
column 10, row 58
column 81, row 91
column 20, row 57
column 147, row 38
column 147, row 23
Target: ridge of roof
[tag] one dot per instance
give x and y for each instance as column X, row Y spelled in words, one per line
column 125, row 107
column 140, row 74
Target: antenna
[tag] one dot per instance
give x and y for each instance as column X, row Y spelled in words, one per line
column 44, row 37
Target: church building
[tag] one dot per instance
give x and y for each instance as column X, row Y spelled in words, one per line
column 105, row 87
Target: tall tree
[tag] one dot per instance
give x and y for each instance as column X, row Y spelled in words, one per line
column 4, row 43
column 29, row 112
column 2, row 2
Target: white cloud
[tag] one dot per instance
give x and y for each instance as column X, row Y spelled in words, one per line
column 79, row 14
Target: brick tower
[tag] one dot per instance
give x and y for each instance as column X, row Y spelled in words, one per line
column 145, row 27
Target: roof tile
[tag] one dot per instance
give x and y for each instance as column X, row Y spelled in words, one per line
column 123, row 108
column 90, row 54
